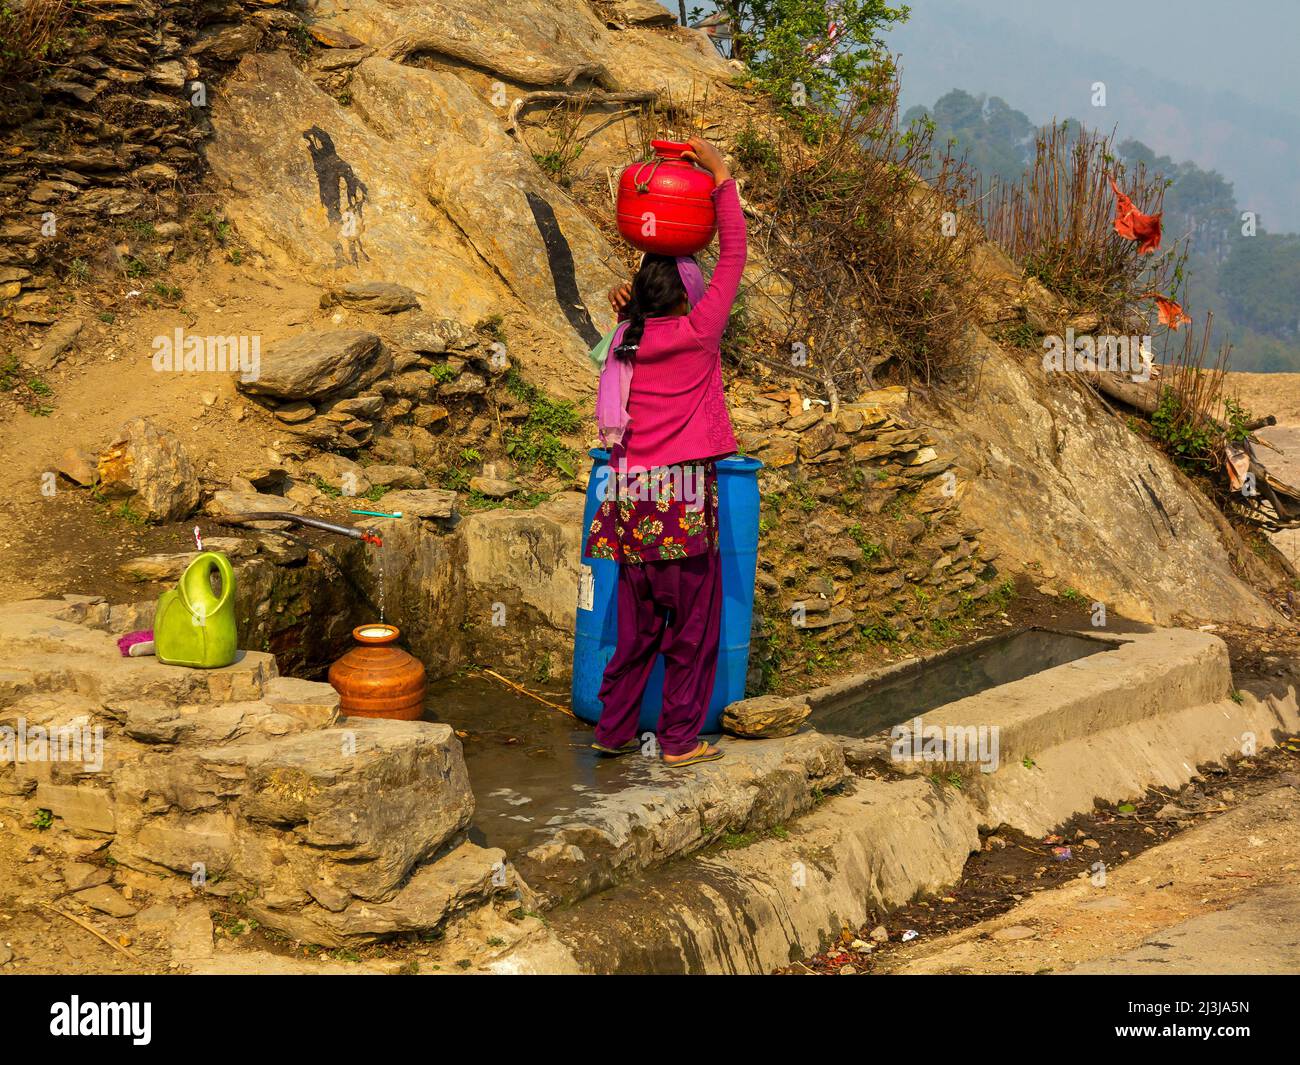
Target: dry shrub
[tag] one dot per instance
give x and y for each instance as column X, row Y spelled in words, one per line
column 31, row 34
column 1190, row 395
column 564, row 141
column 876, row 260
column 669, row 116
column 1058, row 224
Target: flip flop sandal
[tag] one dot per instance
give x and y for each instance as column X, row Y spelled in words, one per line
column 700, row 754
column 631, row 747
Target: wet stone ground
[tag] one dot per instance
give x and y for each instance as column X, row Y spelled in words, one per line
column 530, row 766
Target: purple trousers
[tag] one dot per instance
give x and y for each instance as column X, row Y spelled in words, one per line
column 673, row 608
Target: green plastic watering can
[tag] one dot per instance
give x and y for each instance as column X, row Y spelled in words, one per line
column 194, row 626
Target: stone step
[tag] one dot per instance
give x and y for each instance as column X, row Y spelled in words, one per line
column 315, row 703
column 757, row 785
column 44, row 652
column 340, row 814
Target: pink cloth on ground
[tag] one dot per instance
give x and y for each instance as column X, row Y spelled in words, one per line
column 125, row 643
column 676, row 407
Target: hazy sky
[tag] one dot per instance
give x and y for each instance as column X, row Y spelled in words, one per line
column 1207, row 80
column 1202, row 80
column 1245, row 46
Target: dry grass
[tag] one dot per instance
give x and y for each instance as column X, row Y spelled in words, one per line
column 875, row 260
column 1058, row 224
column 1191, row 397
column 31, row 33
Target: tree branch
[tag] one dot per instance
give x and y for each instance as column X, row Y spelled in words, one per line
column 585, row 96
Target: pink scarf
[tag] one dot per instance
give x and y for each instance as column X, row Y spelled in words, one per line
column 611, row 395
column 616, row 378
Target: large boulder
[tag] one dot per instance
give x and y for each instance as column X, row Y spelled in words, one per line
column 168, row 566
column 422, row 502
column 149, row 466
column 343, row 812
column 314, row 364
column 338, row 473
column 643, row 13
column 472, row 228
column 324, row 197
column 431, row 335
column 537, row 43
column 1059, row 485
column 522, row 572
column 227, row 503
column 549, row 253
column 464, row 877
column 395, row 477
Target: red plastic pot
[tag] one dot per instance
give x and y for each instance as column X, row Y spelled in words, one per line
column 665, row 206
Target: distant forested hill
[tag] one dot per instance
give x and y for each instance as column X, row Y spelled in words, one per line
column 1251, row 283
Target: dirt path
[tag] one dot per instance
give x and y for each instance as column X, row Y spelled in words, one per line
column 1219, row 898
column 66, row 541
column 1277, row 394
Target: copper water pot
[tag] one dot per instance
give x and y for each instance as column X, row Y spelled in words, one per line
column 377, row 678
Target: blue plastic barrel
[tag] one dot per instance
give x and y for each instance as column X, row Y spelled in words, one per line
column 597, row 630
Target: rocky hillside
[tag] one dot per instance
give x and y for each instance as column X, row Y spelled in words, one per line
column 405, row 205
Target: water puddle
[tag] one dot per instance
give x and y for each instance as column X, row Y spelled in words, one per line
column 530, row 767
column 901, row 696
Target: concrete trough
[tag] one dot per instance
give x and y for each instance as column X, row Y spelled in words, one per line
column 1105, row 726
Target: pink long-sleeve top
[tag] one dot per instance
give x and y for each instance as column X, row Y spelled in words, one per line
column 676, row 405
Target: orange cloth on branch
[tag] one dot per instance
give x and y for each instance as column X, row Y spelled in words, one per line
column 1132, row 224
column 1169, row 312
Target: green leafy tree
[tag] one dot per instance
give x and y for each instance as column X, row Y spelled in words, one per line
column 1261, row 279
column 996, row 139
column 815, row 55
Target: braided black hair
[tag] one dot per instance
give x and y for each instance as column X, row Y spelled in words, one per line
column 657, row 290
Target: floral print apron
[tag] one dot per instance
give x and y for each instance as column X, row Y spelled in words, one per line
column 655, row 515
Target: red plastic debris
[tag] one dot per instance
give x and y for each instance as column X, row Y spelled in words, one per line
column 1132, row 224
column 1169, row 312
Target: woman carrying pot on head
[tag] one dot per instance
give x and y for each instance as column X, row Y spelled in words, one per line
column 661, row 410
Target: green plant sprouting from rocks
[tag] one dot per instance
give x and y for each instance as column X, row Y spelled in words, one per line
column 538, row 439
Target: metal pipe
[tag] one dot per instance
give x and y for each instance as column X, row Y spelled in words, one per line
column 367, row 535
